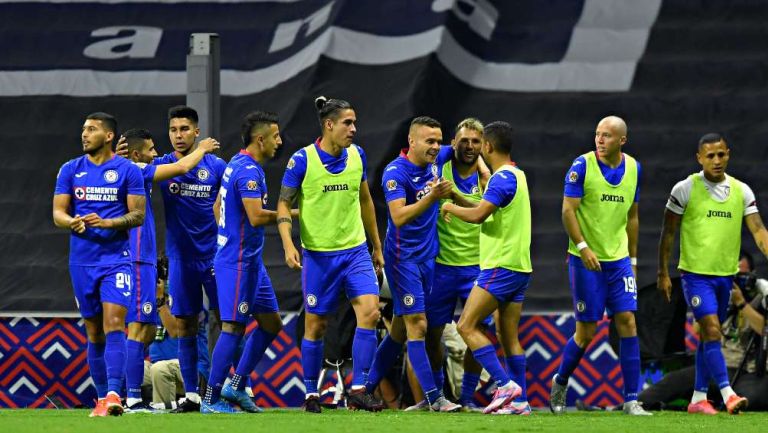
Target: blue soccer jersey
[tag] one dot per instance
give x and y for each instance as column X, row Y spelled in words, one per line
column 297, row 165
column 501, row 189
column 143, row 239
column 574, row 179
column 100, row 189
column 191, row 227
column 417, row 240
column 239, row 243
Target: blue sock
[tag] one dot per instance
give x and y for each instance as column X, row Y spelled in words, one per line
column 629, row 358
column 311, row 362
column 439, row 379
column 516, row 365
column 468, row 385
column 486, row 356
column 134, row 367
column 702, row 371
column 716, row 363
column 114, row 358
column 255, row 346
column 572, row 354
column 221, row 361
column 97, row 368
column 417, row 354
column 363, row 351
column 386, row 355
column 188, row 362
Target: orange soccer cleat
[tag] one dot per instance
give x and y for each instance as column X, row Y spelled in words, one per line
column 736, row 404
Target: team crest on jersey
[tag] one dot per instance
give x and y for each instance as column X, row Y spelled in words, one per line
column 408, row 300
column 203, row 174
column 79, row 192
column 173, row 187
column 573, row 176
column 291, row 163
column 311, row 300
column 391, row 185
column 475, row 190
column 243, row 308
column 696, row 301
column 147, row 308
column 110, row 176
column 434, row 169
column 252, row 185
column 581, row 306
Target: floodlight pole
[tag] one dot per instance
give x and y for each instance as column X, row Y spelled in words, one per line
column 203, row 82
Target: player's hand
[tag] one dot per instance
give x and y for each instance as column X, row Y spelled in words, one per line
column 590, row 260
column 664, row 284
column 378, row 260
column 441, row 188
column 737, row 297
column 292, row 258
column 122, row 147
column 77, row 225
column 209, row 145
column 444, row 214
column 94, row 220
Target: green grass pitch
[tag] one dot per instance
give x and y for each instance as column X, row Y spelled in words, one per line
column 338, row 421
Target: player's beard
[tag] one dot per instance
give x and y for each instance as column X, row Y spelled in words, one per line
column 96, row 149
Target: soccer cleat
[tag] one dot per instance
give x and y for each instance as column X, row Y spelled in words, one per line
column 503, row 396
column 442, row 404
column 704, row 407
column 100, row 409
column 221, row 406
column 114, row 405
column 420, row 406
column 635, row 408
column 360, row 399
column 187, row 406
column 239, row 397
column 140, row 407
column 311, row 404
column 557, row 397
column 514, row 408
column 470, row 406
column 736, row 404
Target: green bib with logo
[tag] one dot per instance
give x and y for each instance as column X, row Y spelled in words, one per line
column 459, row 240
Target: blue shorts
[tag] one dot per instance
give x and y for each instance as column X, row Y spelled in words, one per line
column 613, row 289
column 186, row 280
column 95, row 285
column 323, row 276
column 451, row 284
column 145, row 286
column 707, row 294
column 243, row 293
column 505, row 285
column 409, row 283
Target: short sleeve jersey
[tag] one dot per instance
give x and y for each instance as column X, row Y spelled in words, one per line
column 297, row 165
column 501, row 189
column 100, row 189
column 239, row 243
column 188, row 199
column 143, row 239
column 681, row 193
column 574, row 179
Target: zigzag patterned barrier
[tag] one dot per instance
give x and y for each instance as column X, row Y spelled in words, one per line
column 44, row 359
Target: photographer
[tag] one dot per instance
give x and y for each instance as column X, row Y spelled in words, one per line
column 742, row 331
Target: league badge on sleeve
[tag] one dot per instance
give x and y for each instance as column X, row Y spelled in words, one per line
column 252, row 185
column 291, row 163
column 573, row 176
column 311, row 300
column 391, row 185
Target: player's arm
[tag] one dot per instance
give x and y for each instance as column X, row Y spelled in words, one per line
column 474, row 215
column 284, row 224
column 571, row 224
column 217, row 208
column 633, row 230
column 402, row 214
column 257, row 215
column 134, row 217
column 668, row 231
column 462, row 201
column 755, row 320
column 368, row 214
column 756, row 227
column 186, row 164
column 61, row 217
column 484, row 171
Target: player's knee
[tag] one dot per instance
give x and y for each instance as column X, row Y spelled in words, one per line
column 369, row 318
column 233, row 328
column 271, row 324
column 626, row 325
column 315, row 329
column 465, row 328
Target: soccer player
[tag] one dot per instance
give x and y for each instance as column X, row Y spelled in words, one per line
column 142, row 317
column 505, row 269
column 244, row 287
column 600, row 215
column 413, row 189
column 329, row 179
column 98, row 198
column 190, row 242
column 709, row 207
column 457, row 262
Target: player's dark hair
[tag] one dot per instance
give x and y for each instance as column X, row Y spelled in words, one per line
column 330, row 108
column 711, row 137
column 108, row 120
column 135, row 139
column 500, row 135
column 425, row 121
column 748, row 257
column 256, row 120
column 183, row 112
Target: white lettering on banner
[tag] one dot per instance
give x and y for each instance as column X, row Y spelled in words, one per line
column 286, row 33
column 141, row 44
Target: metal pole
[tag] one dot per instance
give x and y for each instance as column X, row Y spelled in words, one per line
column 203, row 85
